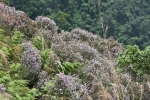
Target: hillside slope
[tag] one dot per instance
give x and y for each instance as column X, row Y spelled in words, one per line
column 76, row 65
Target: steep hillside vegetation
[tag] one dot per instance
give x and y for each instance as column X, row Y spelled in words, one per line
column 37, row 63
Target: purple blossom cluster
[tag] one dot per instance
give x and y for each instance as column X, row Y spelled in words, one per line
column 3, row 93
column 16, row 19
column 43, row 77
column 31, row 60
column 68, row 50
column 71, row 84
column 80, row 44
column 74, row 49
column 87, row 51
column 2, row 88
column 83, row 35
column 47, row 23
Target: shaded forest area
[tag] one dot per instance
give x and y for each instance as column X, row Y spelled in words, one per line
column 128, row 21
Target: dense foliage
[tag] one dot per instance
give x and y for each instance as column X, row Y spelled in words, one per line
column 37, row 63
column 126, row 19
column 129, row 21
column 134, row 61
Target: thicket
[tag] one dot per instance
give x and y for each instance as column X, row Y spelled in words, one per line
column 77, row 66
column 21, row 75
column 134, row 61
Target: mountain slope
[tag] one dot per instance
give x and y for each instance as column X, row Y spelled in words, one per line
column 76, row 65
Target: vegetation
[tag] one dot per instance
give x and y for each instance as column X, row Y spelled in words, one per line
column 38, row 61
column 10, row 73
column 134, row 61
column 68, row 67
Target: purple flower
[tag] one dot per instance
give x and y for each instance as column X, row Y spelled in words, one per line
column 31, row 60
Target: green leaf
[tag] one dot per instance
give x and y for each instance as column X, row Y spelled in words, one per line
column 2, row 31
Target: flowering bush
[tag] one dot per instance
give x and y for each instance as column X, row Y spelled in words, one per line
column 67, row 86
column 16, row 19
column 47, row 23
column 31, row 61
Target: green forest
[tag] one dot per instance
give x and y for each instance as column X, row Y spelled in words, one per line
column 74, row 50
column 125, row 20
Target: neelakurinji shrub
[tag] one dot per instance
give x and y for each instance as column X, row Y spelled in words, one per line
column 31, row 62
